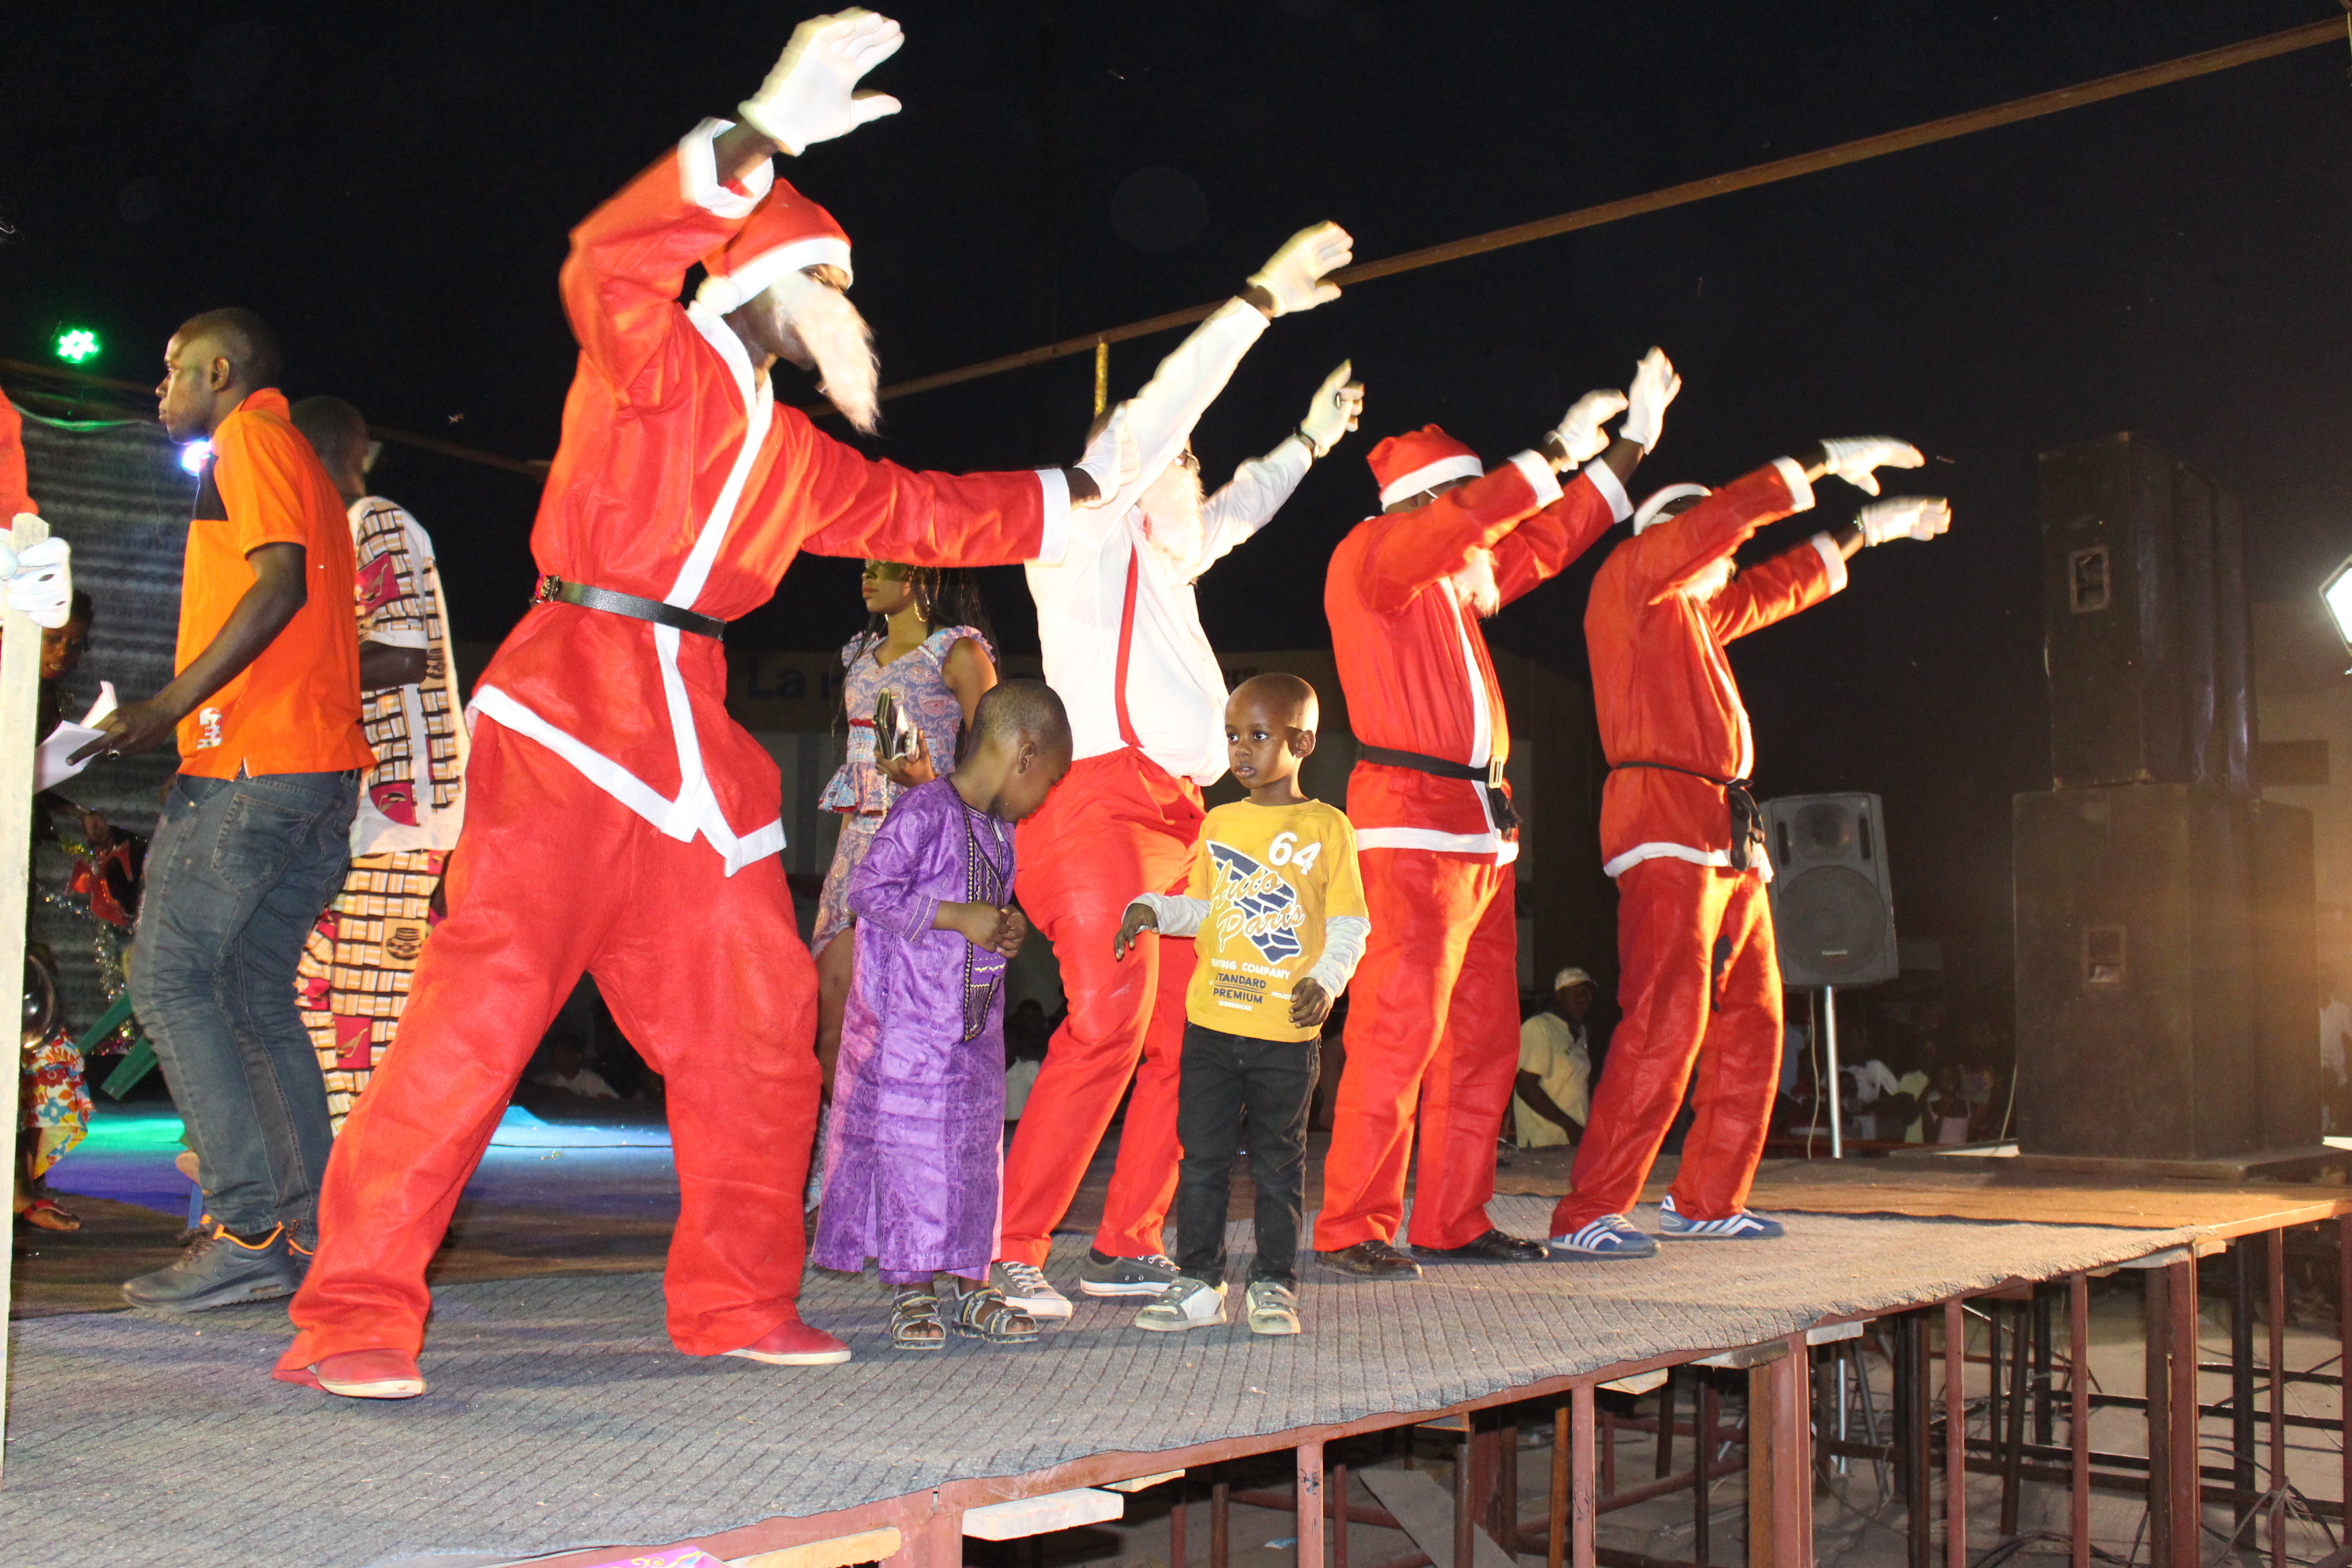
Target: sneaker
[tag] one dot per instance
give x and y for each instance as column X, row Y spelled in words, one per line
column 1611, row 1235
column 1744, row 1226
column 1026, row 1287
column 795, row 1344
column 1183, row 1304
column 359, row 1374
column 219, row 1270
column 1273, row 1308
column 1128, row 1276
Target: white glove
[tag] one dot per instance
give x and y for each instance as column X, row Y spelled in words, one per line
column 1904, row 517
column 809, row 96
column 1294, row 274
column 1338, row 404
column 1579, row 436
column 1655, row 385
column 1111, row 459
column 1851, row 459
column 40, row 581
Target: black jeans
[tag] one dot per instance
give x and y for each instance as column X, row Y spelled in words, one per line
column 1236, row 1091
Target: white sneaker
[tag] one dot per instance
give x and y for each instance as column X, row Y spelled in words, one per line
column 1026, row 1287
column 1185, row 1304
column 1273, row 1308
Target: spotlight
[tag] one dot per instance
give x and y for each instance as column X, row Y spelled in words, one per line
column 77, row 344
column 195, row 455
column 2337, row 593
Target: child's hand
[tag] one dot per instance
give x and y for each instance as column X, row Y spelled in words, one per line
column 1140, row 918
column 1012, row 930
column 976, row 923
column 1308, row 1005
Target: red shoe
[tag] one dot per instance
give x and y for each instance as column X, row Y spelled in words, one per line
column 359, row 1374
column 794, row 1343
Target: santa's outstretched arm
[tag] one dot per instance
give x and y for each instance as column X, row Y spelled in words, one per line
column 1804, row 576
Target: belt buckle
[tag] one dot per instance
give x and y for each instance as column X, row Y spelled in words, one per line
column 550, row 585
column 1494, row 774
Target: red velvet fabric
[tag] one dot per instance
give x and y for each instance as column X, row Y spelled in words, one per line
column 707, row 974
column 1433, row 1041
column 1118, row 824
column 1702, row 990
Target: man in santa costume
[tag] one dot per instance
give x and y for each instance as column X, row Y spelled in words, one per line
column 615, row 815
column 1698, row 979
column 1123, row 644
column 1434, row 1033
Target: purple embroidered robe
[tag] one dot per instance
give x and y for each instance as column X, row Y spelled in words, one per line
column 912, row 1157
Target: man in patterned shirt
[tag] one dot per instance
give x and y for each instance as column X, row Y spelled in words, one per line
column 354, row 976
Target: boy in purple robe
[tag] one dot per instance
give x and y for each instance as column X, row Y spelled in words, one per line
column 912, row 1157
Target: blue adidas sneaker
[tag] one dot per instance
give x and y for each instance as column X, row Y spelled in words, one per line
column 1610, row 1236
column 1744, row 1226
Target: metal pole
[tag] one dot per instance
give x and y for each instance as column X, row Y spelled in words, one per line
column 2277, row 1239
column 1556, row 1541
column 1580, row 1483
column 1955, row 1437
column 1308, row 1506
column 1829, row 1050
column 2078, row 1425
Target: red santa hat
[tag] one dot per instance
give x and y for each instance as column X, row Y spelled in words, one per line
column 1421, row 460
column 784, row 233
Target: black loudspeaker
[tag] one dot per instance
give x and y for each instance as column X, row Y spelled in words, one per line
column 2144, row 620
column 1832, row 904
column 2166, row 1008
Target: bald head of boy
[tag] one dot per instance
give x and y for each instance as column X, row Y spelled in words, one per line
column 1270, row 723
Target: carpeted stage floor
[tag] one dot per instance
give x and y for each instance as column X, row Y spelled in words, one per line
column 561, row 1417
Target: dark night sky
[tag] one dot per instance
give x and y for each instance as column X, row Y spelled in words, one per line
column 391, row 185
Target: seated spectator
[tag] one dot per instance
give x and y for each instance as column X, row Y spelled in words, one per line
column 566, row 1068
column 1554, row 1093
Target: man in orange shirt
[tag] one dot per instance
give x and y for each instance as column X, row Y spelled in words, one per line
column 255, row 833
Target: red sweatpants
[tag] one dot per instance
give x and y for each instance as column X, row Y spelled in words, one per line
column 1117, row 825
column 705, row 971
column 1701, row 987
column 1432, row 1029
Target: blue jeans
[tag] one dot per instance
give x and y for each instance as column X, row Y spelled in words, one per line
column 239, row 872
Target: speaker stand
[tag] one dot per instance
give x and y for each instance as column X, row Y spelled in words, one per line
column 1829, row 1050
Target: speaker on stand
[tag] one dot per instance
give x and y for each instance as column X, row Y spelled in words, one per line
column 1833, row 908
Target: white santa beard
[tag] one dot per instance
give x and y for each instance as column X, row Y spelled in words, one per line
column 1172, row 526
column 1474, row 582
column 838, row 339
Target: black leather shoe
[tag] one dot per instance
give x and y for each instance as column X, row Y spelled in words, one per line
column 1495, row 1247
column 1374, row 1260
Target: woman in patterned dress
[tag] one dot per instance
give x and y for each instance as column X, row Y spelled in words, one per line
column 927, row 643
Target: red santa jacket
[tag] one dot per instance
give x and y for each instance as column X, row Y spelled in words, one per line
column 1660, row 679
column 681, row 479
column 13, row 496
column 1413, row 660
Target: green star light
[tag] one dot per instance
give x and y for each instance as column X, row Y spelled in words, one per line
column 77, row 345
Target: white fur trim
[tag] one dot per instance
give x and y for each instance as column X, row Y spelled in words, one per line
column 1800, row 489
column 1761, row 864
column 1539, row 477
column 1430, row 838
column 1461, row 466
column 1834, row 558
column 726, row 291
column 1055, row 543
column 1658, row 500
column 698, row 173
column 1612, row 489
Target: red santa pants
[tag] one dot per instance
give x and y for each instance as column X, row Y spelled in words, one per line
column 705, row 971
column 1118, row 824
column 1701, row 987
column 1433, row 1036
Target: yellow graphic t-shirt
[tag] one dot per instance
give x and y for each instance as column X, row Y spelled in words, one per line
column 1272, row 875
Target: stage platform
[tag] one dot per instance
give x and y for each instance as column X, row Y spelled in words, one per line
column 560, row 1418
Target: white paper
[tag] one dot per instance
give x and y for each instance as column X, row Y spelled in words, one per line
column 50, row 767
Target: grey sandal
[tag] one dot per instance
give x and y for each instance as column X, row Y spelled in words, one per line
column 984, row 1314
column 915, row 1321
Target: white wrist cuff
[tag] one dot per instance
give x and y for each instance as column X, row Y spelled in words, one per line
column 698, row 173
column 1800, row 489
column 1833, row 558
column 1604, row 478
column 1537, row 470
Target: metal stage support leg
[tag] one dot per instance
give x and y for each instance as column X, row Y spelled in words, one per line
column 1956, row 1436
column 2012, row 1476
column 2078, row 1424
column 1309, row 1504
column 1465, row 1524
column 1913, row 1425
column 1674, row 1375
column 1581, row 1502
column 1176, row 1519
column 1704, row 1439
column 2175, row 1500
column 2242, row 1263
column 2275, row 1252
column 1220, row 1521
column 1779, row 1461
column 2044, row 1400
column 1555, row 1538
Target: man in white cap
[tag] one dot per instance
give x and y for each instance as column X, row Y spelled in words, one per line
column 1555, row 1078
column 1698, row 975
column 1121, row 634
column 1433, row 1036
column 616, row 814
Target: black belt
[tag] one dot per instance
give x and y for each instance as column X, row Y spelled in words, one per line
column 554, row 590
column 1506, row 819
column 1747, row 817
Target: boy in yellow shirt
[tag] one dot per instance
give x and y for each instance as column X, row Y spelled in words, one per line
column 1277, row 908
